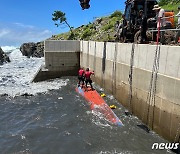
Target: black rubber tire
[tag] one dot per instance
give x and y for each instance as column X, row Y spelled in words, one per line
column 137, row 37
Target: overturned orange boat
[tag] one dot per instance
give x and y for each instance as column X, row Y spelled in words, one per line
column 97, row 103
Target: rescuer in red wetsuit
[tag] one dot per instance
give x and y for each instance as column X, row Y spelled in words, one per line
column 88, row 77
column 81, row 76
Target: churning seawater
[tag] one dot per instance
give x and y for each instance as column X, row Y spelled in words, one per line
column 57, row 120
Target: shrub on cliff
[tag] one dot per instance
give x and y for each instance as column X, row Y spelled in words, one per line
column 116, row 14
column 165, row 2
column 86, row 33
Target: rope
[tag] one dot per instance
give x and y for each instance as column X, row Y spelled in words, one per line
column 177, row 134
column 131, row 77
column 104, row 58
column 82, row 43
column 87, row 63
column 103, row 64
column 153, row 82
column 94, row 62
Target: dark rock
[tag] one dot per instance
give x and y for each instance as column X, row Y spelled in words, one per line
column 32, row 49
column 3, row 57
column 26, row 94
column 27, row 49
column 4, row 95
column 39, row 50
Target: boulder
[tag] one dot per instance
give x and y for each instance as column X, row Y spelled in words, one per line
column 32, row 49
column 3, row 57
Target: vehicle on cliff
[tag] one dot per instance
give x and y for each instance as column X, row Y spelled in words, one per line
column 138, row 15
column 134, row 21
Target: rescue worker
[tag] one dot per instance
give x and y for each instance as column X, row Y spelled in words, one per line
column 81, row 76
column 88, row 78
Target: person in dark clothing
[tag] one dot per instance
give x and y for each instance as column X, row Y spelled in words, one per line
column 141, row 22
column 124, row 29
column 81, row 76
column 88, row 77
column 118, row 28
column 138, row 19
column 143, row 29
column 143, row 25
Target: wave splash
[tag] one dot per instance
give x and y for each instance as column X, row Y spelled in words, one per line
column 9, row 49
column 16, row 76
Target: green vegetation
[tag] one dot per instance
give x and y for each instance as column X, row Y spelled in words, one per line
column 117, row 14
column 170, row 5
column 86, row 33
column 170, row 2
column 101, row 29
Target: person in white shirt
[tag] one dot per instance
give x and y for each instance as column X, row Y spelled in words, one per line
column 160, row 15
column 161, row 23
column 178, row 15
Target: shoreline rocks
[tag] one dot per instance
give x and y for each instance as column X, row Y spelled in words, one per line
column 32, row 49
column 3, row 57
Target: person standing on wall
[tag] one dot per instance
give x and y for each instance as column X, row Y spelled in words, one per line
column 117, row 30
column 161, row 23
column 177, row 38
column 88, row 78
column 81, row 76
column 121, row 28
column 124, row 29
column 142, row 21
column 178, row 15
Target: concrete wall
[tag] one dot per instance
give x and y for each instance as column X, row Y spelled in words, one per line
column 62, row 55
column 111, row 63
column 62, row 58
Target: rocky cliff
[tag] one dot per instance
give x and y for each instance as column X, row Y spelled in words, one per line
column 3, row 57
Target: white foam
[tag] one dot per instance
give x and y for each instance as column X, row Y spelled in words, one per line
column 115, row 152
column 16, row 76
column 8, row 48
column 99, row 119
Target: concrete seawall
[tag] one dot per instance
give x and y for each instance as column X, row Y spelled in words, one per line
column 125, row 70
column 111, row 63
column 62, row 58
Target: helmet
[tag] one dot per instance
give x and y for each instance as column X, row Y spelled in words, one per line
column 87, row 69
